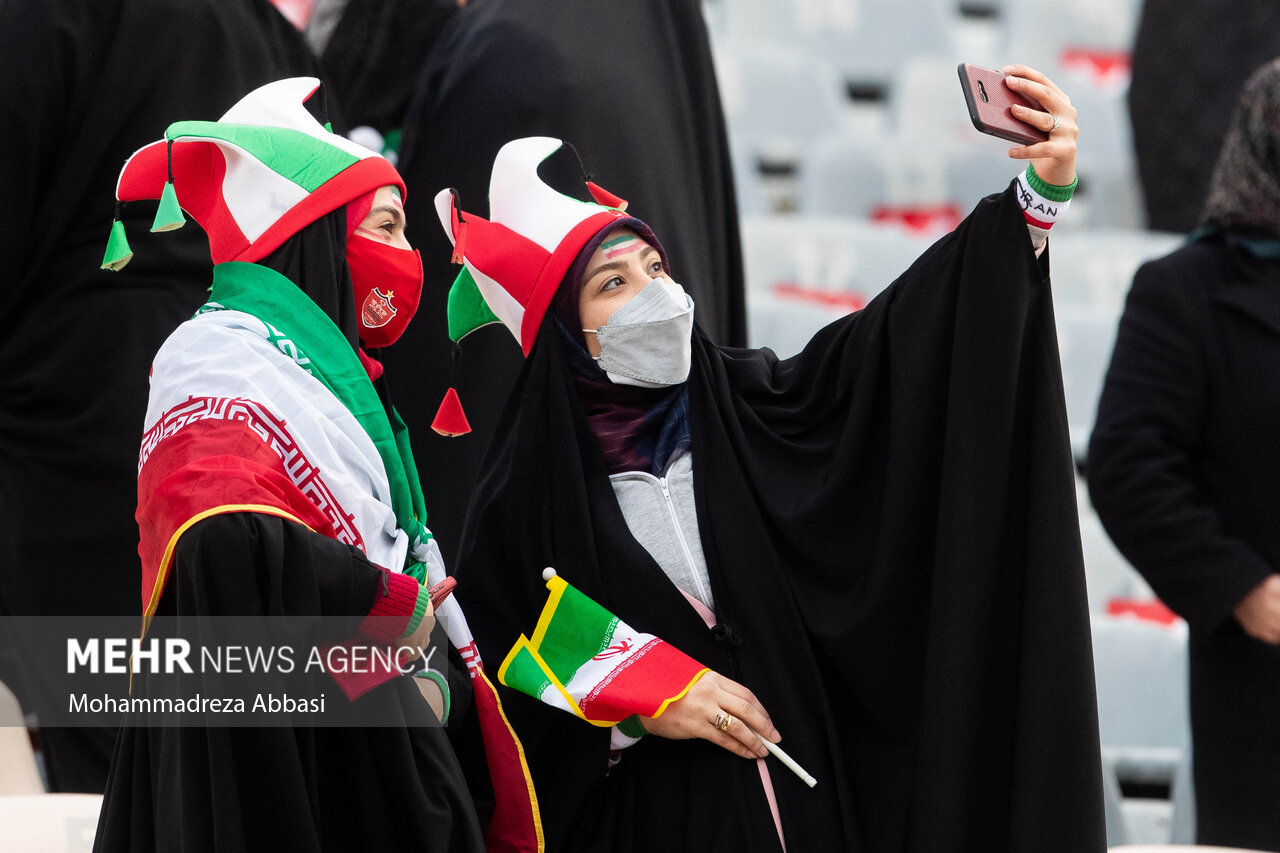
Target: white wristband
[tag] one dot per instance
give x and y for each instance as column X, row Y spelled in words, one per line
column 1038, row 210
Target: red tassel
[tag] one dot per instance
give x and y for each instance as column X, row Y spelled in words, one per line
column 460, row 242
column 603, row 196
column 450, row 420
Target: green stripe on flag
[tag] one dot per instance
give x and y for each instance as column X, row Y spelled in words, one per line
column 526, row 671
column 522, row 671
column 572, row 630
column 298, row 156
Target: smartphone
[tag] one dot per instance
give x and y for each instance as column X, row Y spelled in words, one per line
column 441, row 591
column 990, row 102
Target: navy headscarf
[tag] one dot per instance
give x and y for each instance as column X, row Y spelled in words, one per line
column 637, row 429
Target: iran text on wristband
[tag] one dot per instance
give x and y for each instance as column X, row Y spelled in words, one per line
column 1043, row 204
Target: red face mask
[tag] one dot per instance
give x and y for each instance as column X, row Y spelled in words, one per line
column 388, row 285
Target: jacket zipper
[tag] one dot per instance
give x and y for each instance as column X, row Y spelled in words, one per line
column 684, row 544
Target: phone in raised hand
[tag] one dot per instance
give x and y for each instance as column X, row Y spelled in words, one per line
column 990, row 102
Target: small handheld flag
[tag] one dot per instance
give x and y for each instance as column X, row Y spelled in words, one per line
column 584, row 660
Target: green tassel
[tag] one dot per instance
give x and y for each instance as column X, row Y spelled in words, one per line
column 169, row 214
column 118, row 252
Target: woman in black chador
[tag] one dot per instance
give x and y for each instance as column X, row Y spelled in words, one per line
column 872, row 545
column 275, row 485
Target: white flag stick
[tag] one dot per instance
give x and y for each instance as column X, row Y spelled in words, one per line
column 786, row 759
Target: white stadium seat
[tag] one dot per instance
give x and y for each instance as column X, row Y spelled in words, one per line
column 1096, row 268
column 19, row 773
column 1086, row 336
column 1041, row 30
column 803, row 272
column 49, row 823
column 849, row 175
column 839, row 255
column 776, row 99
column 1143, row 718
column 865, row 40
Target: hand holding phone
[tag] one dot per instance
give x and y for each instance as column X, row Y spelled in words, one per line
column 990, row 102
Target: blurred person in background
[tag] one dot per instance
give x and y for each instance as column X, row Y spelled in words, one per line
column 87, row 82
column 1183, row 466
column 1189, row 60
column 372, row 53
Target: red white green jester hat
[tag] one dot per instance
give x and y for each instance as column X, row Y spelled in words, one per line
column 252, row 179
column 513, row 262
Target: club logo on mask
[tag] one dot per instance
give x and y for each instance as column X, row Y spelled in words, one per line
column 377, row 310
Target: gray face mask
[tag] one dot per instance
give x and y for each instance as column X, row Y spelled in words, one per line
column 648, row 341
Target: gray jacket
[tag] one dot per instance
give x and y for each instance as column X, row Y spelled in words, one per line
column 661, row 515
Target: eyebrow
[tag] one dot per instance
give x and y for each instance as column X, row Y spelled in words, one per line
column 395, row 212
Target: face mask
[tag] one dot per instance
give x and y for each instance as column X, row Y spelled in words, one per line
column 388, row 284
column 648, row 341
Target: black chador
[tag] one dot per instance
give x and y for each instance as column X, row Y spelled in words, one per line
column 889, row 524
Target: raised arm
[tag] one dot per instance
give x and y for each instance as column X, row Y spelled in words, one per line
column 1046, row 188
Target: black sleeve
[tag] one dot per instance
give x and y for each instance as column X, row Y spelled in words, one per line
column 1144, row 450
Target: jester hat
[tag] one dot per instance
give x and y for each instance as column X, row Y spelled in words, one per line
column 252, row 179
column 513, row 262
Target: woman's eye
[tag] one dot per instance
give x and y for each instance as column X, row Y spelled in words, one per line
column 611, row 284
column 655, row 268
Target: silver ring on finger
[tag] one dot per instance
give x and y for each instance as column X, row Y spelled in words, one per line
column 723, row 721
column 1056, row 122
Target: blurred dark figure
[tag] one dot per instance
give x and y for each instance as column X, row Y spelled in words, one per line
column 632, row 88
column 1189, row 61
column 372, row 52
column 86, row 83
column 1184, row 466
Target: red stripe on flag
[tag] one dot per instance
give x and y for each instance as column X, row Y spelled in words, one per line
column 209, row 453
column 643, row 684
column 515, row 826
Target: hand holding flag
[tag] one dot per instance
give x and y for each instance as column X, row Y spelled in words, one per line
column 584, row 660
column 722, row 711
